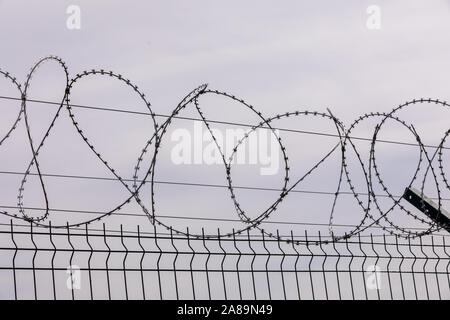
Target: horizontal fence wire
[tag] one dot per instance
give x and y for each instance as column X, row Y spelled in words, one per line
column 132, row 264
column 76, row 261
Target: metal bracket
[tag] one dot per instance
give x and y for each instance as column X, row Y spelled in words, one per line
column 428, row 206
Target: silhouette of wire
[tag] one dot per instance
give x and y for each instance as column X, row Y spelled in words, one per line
column 138, row 215
column 194, row 184
column 344, row 146
column 231, row 123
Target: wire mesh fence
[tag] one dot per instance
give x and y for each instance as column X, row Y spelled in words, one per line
column 76, row 261
column 38, row 263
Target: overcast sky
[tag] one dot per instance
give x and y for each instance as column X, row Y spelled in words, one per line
column 278, row 56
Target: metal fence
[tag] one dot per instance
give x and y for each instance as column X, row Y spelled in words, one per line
column 76, row 263
column 38, row 263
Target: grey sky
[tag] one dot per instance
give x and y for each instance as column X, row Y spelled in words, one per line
column 277, row 56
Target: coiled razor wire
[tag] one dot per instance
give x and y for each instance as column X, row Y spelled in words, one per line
column 370, row 171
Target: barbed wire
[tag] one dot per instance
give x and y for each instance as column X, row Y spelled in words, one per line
column 200, row 218
column 345, row 145
column 215, row 121
column 199, row 184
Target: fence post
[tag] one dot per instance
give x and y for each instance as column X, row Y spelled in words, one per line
column 222, row 262
column 337, row 269
column 89, row 262
column 174, row 262
column 350, row 267
column 362, row 266
column 206, row 263
column 389, row 264
column 237, row 265
column 124, row 263
column 53, row 259
column 267, row 262
column 309, row 265
column 107, row 261
column 14, row 260
column 251, row 265
column 376, row 262
column 400, row 267
column 436, row 267
column 158, row 261
column 296, row 264
column 141, row 262
column 424, row 269
column 281, row 264
column 70, row 261
column 190, row 263
column 34, row 258
column 323, row 266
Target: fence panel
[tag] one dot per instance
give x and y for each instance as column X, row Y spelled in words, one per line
column 38, row 263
